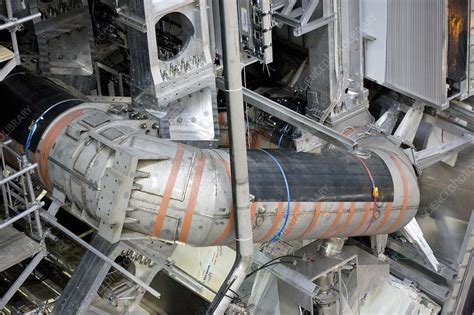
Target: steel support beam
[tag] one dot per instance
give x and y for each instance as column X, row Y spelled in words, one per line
column 438, row 292
column 22, row 278
column 409, row 251
column 429, row 157
column 407, row 129
column 52, row 221
column 288, row 275
column 296, row 119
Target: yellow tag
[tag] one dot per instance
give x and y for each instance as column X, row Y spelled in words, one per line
column 375, row 192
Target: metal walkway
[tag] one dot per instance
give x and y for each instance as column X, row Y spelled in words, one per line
column 16, row 247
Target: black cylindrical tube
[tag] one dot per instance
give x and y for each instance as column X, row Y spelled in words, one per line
column 340, row 176
column 27, row 98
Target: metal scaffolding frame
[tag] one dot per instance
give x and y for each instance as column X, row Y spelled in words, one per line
column 21, row 203
column 13, row 24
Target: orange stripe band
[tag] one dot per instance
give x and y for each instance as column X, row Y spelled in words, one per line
column 296, row 212
column 363, row 220
column 188, row 217
column 314, row 221
column 275, row 222
column 230, row 222
column 388, row 210
column 226, row 166
column 227, row 229
column 46, row 145
column 402, row 213
column 160, row 218
column 336, row 220
column 253, row 211
column 347, row 220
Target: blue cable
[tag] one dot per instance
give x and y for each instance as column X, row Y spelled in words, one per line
column 283, row 130
column 34, row 125
column 279, row 234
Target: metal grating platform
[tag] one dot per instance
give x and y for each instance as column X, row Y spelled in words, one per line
column 16, row 247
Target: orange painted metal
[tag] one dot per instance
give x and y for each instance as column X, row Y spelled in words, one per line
column 188, row 217
column 160, row 217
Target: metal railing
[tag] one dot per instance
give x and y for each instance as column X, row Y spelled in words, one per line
column 19, row 199
column 20, row 202
column 13, row 24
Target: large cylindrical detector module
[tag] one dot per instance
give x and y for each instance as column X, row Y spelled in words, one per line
column 119, row 179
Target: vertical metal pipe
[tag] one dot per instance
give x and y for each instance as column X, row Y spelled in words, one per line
column 238, row 157
column 16, row 51
column 31, row 193
column 4, row 191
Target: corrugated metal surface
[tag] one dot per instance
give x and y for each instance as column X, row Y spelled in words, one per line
column 471, row 51
column 416, row 56
column 457, row 40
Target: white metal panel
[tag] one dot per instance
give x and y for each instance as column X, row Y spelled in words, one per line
column 374, row 29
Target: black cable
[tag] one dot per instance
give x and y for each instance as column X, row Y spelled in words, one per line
column 235, row 299
column 274, row 262
column 280, row 257
column 266, row 266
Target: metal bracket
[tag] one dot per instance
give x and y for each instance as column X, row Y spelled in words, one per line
column 58, row 200
column 293, row 278
column 429, row 157
column 413, row 232
column 115, row 193
column 299, row 17
column 304, row 123
column 132, row 21
column 407, row 129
